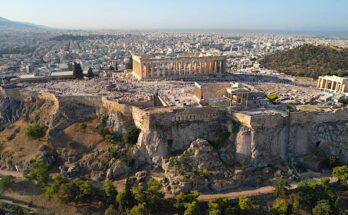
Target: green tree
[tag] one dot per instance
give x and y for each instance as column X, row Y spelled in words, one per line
column 324, row 182
column 245, row 203
column 67, row 193
column 322, row 208
column 36, row 131
column 125, row 199
column 110, row 211
column 86, row 191
column 311, row 192
column 151, row 194
column 131, row 135
column 77, row 71
column 219, row 206
column 341, row 173
column 294, row 201
column 214, row 209
column 5, row 182
column 139, row 209
column 38, row 172
column 279, row 207
column 52, row 189
column 181, row 199
column 109, row 189
column 90, row 73
column 192, row 209
column 280, row 187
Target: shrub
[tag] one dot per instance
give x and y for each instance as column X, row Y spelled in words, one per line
column 110, row 211
column 5, row 182
column 181, row 199
column 131, row 135
column 280, row 187
column 36, row 131
column 109, row 138
column 139, row 209
column 325, row 182
column 341, row 172
column 272, row 97
column 125, row 199
column 109, row 189
column 38, row 172
column 219, row 206
column 279, row 207
column 52, row 189
column 322, row 208
column 244, row 203
column 295, row 202
column 192, row 209
column 83, row 126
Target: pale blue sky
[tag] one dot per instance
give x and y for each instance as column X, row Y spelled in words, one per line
column 180, row 14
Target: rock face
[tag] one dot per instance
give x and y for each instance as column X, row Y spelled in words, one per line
column 198, row 167
column 23, row 105
column 117, row 170
column 204, row 150
column 163, row 140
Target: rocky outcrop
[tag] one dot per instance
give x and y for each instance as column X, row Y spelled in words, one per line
column 117, row 170
column 163, row 140
column 199, row 167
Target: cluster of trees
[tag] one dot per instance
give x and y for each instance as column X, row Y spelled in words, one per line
column 36, row 131
column 77, row 71
column 317, row 197
column 130, row 136
column 67, row 191
column 38, row 172
column 310, row 61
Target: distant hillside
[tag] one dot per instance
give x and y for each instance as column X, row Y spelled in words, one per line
column 309, row 60
column 12, row 25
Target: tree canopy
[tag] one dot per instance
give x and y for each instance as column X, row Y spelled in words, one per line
column 310, row 61
column 77, row 71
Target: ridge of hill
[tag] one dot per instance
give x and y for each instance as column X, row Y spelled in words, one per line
column 309, row 60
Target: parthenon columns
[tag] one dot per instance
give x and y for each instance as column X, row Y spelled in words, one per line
column 181, row 66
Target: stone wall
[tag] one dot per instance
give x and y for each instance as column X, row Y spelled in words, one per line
column 210, row 91
column 267, row 137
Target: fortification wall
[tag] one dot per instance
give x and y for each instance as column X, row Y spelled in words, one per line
column 318, row 117
column 17, row 94
column 297, row 134
column 187, row 115
column 84, row 100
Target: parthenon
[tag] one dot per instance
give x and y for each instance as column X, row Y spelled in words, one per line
column 153, row 68
column 333, row 83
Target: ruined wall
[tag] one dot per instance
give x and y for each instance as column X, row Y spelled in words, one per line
column 268, row 137
column 173, row 130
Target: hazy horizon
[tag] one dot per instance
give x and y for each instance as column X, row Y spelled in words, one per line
column 223, row 15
